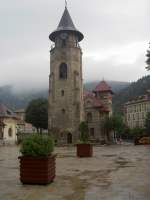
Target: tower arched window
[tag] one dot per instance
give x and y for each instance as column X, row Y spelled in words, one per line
column 63, row 111
column 62, row 93
column 89, row 117
column 63, row 71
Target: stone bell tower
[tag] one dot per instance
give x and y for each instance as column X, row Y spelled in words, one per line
column 65, row 81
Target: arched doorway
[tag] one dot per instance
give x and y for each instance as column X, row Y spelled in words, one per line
column 1, row 133
column 69, row 138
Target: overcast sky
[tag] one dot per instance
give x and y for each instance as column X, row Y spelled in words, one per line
column 117, row 33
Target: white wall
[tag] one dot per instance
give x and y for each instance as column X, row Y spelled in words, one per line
column 10, row 124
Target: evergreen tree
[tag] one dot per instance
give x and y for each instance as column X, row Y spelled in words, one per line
column 37, row 114
column 148, row 59
column 84, row 135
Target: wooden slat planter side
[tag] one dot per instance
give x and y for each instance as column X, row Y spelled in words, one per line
column 84, row 150
column 37, row 170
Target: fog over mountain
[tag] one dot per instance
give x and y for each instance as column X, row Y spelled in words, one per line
column 15, row 98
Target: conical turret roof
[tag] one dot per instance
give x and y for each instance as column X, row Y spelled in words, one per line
column 66, row 25
column 103, row 87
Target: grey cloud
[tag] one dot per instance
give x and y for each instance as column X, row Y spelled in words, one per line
column 26, row 24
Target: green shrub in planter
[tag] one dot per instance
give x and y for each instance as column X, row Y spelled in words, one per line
column 84, row 148
column 84, row 135
column 37, row 145
column 37, row 163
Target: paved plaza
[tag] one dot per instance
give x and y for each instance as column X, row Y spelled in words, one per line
column 117, row 172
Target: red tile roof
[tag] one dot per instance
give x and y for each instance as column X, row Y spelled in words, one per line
column 96, row 103
column 88, row 93
column 6, row 112
column 103, row 87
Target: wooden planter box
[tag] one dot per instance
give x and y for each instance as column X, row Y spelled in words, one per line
column 84, row 150
column 37, row 170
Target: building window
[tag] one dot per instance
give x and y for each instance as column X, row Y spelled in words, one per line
column 89, row 117
column 61, row 134
column 63, row 71
column 63, row 111
column 128, row 117
column 92, row 132
column 10, row 133
column 63, row 43
column 62, row 93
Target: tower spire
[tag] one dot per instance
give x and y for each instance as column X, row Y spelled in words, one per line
column 66, row 25
column 65, row 3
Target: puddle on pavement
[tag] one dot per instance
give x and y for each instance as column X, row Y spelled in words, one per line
column 65, row 156
column 123, row 163
column 81, row 183
column 109, row 155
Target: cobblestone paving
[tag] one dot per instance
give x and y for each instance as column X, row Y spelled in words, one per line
column 117, row 172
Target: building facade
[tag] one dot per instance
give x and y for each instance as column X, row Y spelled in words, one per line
column 135, row 111
column 98, row 106
column 67, row 106
column 8, row 124
column 22, row 125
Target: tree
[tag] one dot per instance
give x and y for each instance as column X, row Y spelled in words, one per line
column 37, row 114
column 84, row 135
column 147, row 123
column 148, row 59
column 115, row 124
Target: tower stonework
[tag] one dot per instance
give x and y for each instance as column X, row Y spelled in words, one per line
column 65, row 81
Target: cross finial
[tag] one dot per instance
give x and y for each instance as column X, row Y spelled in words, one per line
column 66, row 3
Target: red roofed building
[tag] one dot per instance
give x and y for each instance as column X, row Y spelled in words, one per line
column 97, row 106
column 103, row 87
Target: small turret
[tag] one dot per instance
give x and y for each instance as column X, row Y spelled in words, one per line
column 104, row 93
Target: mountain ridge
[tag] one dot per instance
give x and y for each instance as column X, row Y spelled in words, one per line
column 16, row 100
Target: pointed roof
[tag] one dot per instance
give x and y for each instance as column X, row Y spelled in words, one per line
column 96, row 103
column 66, row 25
column 6, row 112
column 103, row 87
column 66, row 21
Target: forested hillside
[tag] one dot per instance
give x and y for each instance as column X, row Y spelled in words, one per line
column 19, row 100
column 124, row 91
column 134, row 89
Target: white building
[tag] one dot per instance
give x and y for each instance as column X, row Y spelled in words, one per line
column 8, row 124
column 22, row 125
column 136, row 110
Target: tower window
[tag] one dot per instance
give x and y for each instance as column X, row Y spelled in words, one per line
column 63, row 111
column 62, row 93
column 63, row 71
column 89, row 117
column 63, row 43
column 92, row 132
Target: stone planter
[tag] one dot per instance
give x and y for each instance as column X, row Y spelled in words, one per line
column 84, row 150
column 37, row 170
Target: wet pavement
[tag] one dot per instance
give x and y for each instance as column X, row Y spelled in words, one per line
column 117, row 172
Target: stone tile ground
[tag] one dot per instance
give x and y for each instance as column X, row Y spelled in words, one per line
column 117, row 172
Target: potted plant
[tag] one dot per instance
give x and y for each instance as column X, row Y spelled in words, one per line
column 84, row 148
column 37, row 163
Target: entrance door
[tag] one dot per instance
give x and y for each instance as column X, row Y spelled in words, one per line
column 69, row 138
column 1, row 133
